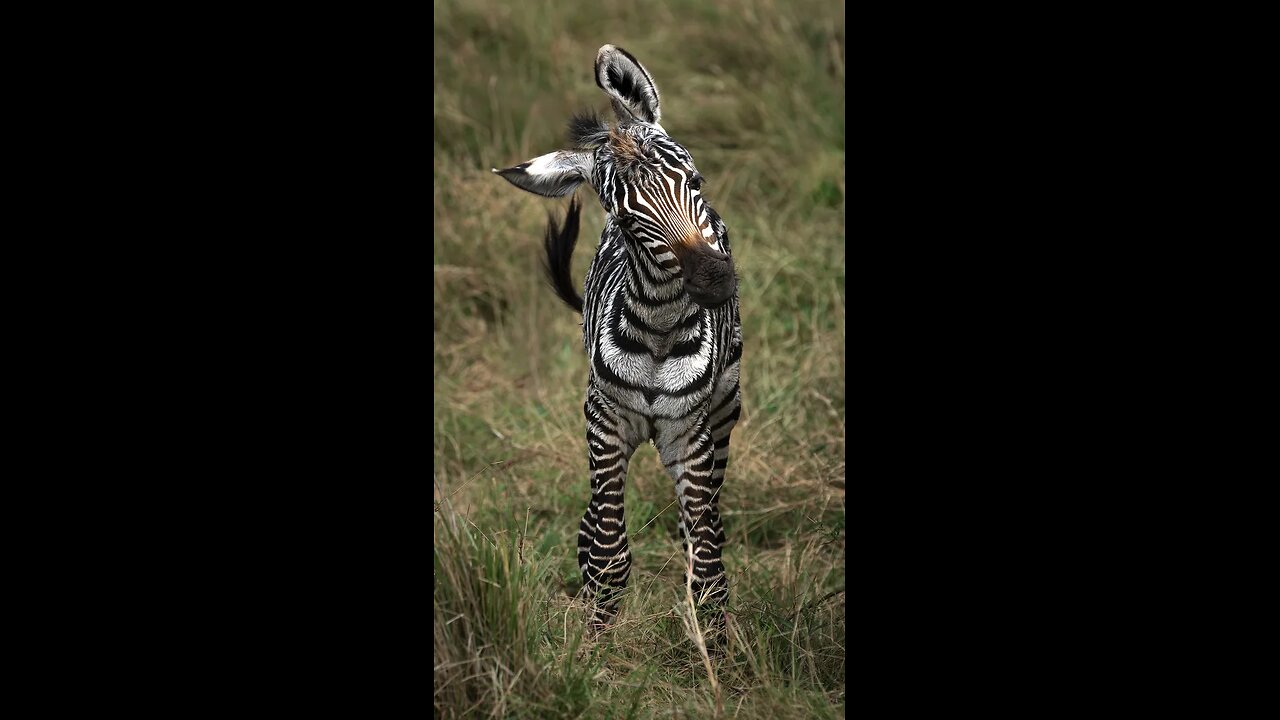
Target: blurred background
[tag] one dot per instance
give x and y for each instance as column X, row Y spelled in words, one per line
column 755, row 91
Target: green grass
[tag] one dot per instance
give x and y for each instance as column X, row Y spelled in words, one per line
column 755, row 90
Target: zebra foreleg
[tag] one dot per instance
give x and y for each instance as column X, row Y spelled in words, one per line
column 602, row 536
column 690, row 459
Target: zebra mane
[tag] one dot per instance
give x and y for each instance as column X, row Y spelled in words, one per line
column 587, row 131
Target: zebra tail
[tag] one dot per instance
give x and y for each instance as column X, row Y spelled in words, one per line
column 559, row 242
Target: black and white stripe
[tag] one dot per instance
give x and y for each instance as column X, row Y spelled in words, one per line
column 663, row 367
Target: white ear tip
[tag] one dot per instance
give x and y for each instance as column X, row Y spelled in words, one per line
column 495, row 170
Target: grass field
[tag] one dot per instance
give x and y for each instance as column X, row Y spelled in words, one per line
column 755, row 91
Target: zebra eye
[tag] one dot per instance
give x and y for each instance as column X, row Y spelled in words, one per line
column 695, row 182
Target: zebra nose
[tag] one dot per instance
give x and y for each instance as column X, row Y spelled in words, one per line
column 709, row 277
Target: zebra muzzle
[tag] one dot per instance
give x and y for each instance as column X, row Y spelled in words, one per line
column 708, row 275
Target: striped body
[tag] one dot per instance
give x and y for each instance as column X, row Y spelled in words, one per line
column 652, row 351
column 660, row 327
column 662, row 369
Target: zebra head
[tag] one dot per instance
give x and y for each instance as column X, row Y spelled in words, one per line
column 646, row 181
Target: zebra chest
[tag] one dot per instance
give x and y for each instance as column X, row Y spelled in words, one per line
column 660, row 377
column 658, row 373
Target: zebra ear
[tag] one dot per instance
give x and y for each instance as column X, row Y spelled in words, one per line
column 628, row 84
column 552, row 175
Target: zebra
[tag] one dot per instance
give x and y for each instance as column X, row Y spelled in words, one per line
column 660, row 327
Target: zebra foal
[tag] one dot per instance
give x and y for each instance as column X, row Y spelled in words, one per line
column 659, row 323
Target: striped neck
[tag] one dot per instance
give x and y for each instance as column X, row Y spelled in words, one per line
column 653, row 294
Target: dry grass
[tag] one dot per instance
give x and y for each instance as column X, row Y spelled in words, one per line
column 764, row 119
